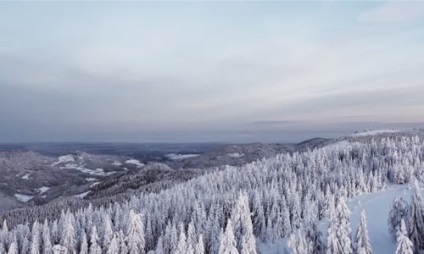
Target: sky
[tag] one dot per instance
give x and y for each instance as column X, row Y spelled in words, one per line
column 208, row 71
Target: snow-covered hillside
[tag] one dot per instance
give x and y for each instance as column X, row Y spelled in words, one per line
column 376, row 206
column 292, row 196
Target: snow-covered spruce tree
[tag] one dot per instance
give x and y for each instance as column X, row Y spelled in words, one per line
column 362, row 240
column 68, row 234
column 94, row 239
column 416, row 218
column 228, row 243
column 107, row 230
column 191, row 234
column 113, row 247
column 47, row 244
column 13, row 248
column 299, row 243
column 2, row 247
column 404, row 245
column 313, row 235
column 200, row 246
column 84, row 244
column 159, row 247
column 4, row 237
column 35, row 238
column 398, row 211
column 135, row 234
column 243, row 227
column 182, row 247
column 339, row 231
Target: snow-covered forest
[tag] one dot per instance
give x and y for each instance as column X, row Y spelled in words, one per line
column 233, row 210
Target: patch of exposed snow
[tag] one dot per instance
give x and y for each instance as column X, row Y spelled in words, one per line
column 340, row 145
column 64, row 159
column 175, row 156
column 117, row 163
column 94, row 184
column 235, row 155
column 43, row 189
column 134, row 162
column 373, row 132
column 81, row 168
column 279, row 246
column 26, row 177
column 23, row 198
column 82, row 195
column 91, row 179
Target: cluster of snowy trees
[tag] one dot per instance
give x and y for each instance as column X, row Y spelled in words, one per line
column 227, row 211
column 339, row 238
column 406, row 222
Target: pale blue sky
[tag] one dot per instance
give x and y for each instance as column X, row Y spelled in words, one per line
column 207, row 71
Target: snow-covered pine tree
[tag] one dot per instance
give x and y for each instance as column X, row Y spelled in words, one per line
column 191, row 234
column 84, row 244
column 54, row 232
column 404, row 245
column 339, row 231
column 113, row 247
column 107, row 230
column 200, row 246
column 68, row 234
column 159, row 246
column 2, row 247
column 4, row 236
column 13, row 248
column 398, row 211
column 314, row 237
column 94, row 239
column 122, row 243
column 47, row 244
column 416, row 218
column 299, row 243
column 135, row 234
column 182, row 242
column 35, row 238
column 362, row 240
column 228, row 243
column 243, row 227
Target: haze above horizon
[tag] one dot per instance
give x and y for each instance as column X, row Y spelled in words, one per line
column 208, row 71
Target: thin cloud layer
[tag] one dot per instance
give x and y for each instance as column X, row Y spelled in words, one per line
column 394, row 12
column 186, row 71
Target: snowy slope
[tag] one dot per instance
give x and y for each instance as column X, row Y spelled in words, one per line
column 376, row 206
column 374, row 132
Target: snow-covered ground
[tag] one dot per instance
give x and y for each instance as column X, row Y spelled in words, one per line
column 94, row 184
column 235, row 155
column 134, row 162
column 117, row 163
column 43, row 189
column 377, row 206
column 23, row 198
column 338, row 146
column 64, row 159
column 82, row 168
column 176, row 156
column 374, row 132
column 82, row 195
column 26, row 177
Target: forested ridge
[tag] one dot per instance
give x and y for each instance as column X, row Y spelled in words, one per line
column 230, row 210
